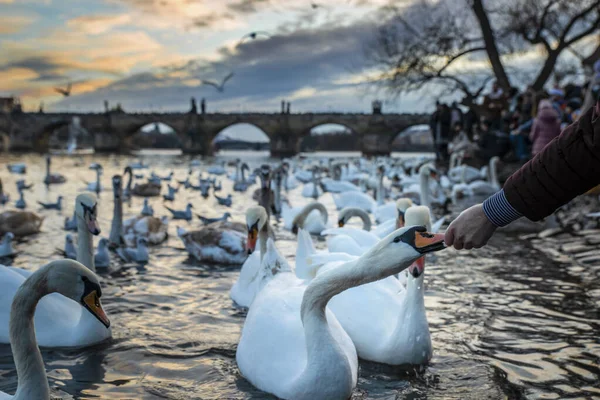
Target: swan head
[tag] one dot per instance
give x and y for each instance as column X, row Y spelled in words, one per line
column 69, row 238
column 73, row 280
column 128, row 170
column 402, row 248
column 256, row 218
column 116, row 184
column 402, row 205
column 86, row 208
column 189, row 207
column 418, row 215
column 428, row 170
column 8, row 237
column 347, row 213
column 103, row 243
column 227, row 215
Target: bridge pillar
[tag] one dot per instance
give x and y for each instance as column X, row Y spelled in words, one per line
column 376, row 144
column 285, row 144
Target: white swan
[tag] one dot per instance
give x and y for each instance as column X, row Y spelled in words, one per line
column 77, row 285
column 387, row 321
column 312, row 218
column 347, row 213
column 355, row 199
column 96, row 186
column 387, row 227
column 293, row 347
column 250, row 281
column 334, row 186
column 6, row 246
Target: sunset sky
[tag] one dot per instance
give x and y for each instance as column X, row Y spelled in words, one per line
column 153, row 54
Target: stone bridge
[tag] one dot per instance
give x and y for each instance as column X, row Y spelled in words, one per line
column 115, row 131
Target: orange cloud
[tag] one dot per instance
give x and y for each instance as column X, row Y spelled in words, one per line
column 14, row 23
column 97, row 24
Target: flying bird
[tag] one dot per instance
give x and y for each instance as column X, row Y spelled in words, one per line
column 220, row 87
column 65, row 92
column 254, row 36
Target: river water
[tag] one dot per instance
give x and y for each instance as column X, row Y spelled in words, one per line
column 506, row 322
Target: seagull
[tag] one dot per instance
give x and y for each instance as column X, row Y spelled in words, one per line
column 65, row 92
column 208, row 221
column 254, row 36
column 220, row 87
column 224, row 201
column 178, row 214
column 52, row 206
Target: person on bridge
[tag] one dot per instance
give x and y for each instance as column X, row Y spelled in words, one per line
column 567, row 167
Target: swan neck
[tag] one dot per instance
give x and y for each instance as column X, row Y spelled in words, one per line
column 129, row 181
column 263, row 237
column 424, row 190
column 301, row 217
column 85, row 245
column 31, row 373
column 493, row 173
column 380, row 191
column 116, row 228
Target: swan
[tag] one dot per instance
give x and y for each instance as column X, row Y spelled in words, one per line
column 52, row 178
column 220, row 243
column 171, row 195
column 217, row 169
column 249, row 282
column 6, row 247
column 224, row 201
column 66, row 279
column 354, row 199
column 96, row 186
column 20, row 223
column 293, row 347
column 333, row 186
column 128, row 189
column 149, row 189
column 387, row 321
column 478, row 188
column 313, row 189
column 312, row 218
column 391, row 225
column 52, row 206
column 347, row 213
column 70, row 249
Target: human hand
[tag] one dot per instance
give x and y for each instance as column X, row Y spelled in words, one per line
column 472, row 229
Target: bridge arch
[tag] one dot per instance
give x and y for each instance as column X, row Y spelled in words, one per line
column 41, row 140
column 155, row 134
column 330, row 136
column 241, row 135
column 415, row 137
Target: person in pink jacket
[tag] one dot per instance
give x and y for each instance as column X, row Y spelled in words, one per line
column 546, row 127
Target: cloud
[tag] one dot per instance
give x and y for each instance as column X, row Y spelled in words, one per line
column 97, row 24
column 15, row 23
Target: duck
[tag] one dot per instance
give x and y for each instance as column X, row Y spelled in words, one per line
column 102, row 256
column 52, row 178
column 182, row 214
column 20, row 203
column 293, row 347
column 208, row 221
column 20, row 223
column 58, row 303
column 147, row 210
column 386, row 320
column 6, row 246
column 217, row 243
column 312, row 218
column 249, row 281
column 96, row 186
column 224, row 201
column 52, row 206
column 138, row 255
column 17, row 168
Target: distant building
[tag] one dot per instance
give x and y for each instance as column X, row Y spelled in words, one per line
column 416, row 137
column 10, row 104
column 377, row 106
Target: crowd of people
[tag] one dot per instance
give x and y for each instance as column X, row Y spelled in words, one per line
column 514, row 125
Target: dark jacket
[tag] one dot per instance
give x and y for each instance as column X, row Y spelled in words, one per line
column 567, row 167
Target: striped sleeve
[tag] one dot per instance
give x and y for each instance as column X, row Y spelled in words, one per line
column 499, row 211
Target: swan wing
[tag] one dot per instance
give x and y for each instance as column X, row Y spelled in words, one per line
column 366, row 239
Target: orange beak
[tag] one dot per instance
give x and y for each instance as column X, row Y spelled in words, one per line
column 92, row 303
column 341, row 223
column 426, row 242
column 251, row 242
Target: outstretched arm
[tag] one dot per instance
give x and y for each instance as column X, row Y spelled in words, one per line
column 567, row 167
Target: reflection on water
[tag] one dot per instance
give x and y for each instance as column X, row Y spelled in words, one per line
column 505, row 321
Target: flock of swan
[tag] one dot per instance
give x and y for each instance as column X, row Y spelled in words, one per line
column 309, row 320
